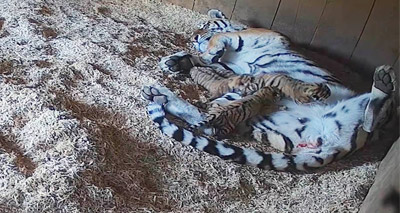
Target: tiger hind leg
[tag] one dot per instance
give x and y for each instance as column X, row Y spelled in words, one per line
column 173, row 104
column 380, row 102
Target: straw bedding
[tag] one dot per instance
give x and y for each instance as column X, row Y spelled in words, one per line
column 75, row 137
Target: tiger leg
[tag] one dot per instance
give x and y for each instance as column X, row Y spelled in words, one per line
column 299, row 91
column 380, row 104
column 225, row 118
column 173, row 105
column 183, row 62
column 318, row 126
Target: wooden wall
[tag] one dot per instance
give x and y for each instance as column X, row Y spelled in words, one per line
column 360, row 33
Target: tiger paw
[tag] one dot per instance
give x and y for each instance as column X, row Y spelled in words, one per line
column 153, row 94
column 178, row 62
column 384, row 79
column 313, row 92
column 379, row 106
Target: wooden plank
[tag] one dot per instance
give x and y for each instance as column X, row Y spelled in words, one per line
column 308, row 16
column 183, row 3
column 397, row 72
column 226, row 6
column 340, row 27
column 286, row 17
column 256, row 13
column 379, row 43
column 396, row 67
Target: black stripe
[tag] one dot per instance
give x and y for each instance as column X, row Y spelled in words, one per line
column 258, row 58
column 153, row 111
column 338, row 124
column 291, row 164
column 320, row 160
column 269, row 119
column 159, row 120
column 320, row 141
column 303, row 120
column 330, row 115
column 308, row 63
column 266, row 64
column 335, row 156
column 244, row 111
column 288, row 144
column 225, row 66
column 178, row 134
column 241, row 159
column 353, row 139
column 240, row 45
column 211, row 148
column 229, row 98
column 216, row 22
column 331, row 78
column 281, row 54
column 267, row 160
column 223, row 22
column 237, row 153
column 300, row 130
column 255, row 43
column 325, row 77
column 285, row 62
column 193, row 142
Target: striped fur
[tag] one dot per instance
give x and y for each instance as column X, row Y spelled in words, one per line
column 302, row 160
column 308, row 135
column 260, row 94
column 224, row 119
column 218, row 84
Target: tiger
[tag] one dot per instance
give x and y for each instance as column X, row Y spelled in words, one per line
column 306, row 136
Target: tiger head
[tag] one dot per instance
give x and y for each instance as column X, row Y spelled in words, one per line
column 218, row 23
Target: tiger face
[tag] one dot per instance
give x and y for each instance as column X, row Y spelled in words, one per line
column 218, row 23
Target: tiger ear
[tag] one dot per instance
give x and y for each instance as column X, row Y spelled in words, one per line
column 214, row 13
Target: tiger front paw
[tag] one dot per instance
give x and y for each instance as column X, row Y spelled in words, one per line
column 178, row 62
column 313, row 92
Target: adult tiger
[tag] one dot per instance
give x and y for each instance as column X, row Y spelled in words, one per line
column 310, row 135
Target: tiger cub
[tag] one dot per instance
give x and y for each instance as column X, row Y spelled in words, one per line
column 260, row 95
